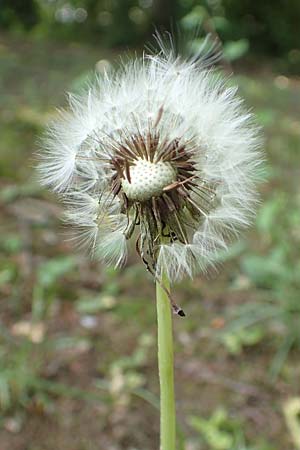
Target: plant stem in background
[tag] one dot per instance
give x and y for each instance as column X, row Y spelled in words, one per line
column 165, row 367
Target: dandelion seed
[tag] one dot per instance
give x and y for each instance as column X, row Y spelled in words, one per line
column 161, row 152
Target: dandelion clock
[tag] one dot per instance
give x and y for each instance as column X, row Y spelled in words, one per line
column 162, row 153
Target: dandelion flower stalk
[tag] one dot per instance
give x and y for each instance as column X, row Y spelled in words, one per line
column 162, row 153
column 166, row 368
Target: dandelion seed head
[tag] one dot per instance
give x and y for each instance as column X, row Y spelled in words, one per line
column 162, row 152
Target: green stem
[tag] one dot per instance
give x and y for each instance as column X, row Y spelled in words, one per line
column 165, row 367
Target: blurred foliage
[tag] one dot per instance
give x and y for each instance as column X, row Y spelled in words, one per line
column 275, row 274
column 18, row 14
column 266, row 28
column 291, row 410
column 223, row 432
column 71, row 329
column 238, row 339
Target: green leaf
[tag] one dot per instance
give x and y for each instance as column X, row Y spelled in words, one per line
column 268, row 212
column 267, row 271
column 235, row 49
column 50, row 271
column 194, row 18
column 95, row 304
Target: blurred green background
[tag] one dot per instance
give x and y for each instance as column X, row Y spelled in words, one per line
column 77, row 340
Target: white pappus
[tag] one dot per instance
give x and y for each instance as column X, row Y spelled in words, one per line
column 161, row 151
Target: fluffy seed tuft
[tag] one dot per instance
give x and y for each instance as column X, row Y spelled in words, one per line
column 161, row 152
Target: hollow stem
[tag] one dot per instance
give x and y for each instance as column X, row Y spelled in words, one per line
column 165, row 367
